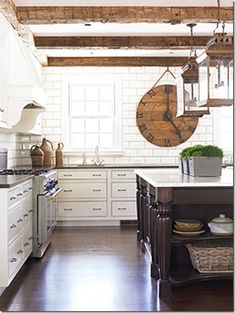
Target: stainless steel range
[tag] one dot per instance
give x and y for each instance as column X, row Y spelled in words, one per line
column 45, row 192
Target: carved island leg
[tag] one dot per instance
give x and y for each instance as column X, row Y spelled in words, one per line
column 143, row 207
column 153, row 238
column 139, row 210
column 163, row 235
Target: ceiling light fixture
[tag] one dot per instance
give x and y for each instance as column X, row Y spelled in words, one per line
column 216, row 69
column 188, row 85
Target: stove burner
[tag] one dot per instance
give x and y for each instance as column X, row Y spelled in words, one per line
column 35, row 172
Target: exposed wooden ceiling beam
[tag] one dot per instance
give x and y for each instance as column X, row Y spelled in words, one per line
column 153, row 42
column 174, row 15
column 8, row 10
column 116, row 61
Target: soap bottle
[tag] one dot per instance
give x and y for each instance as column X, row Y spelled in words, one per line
column 59, row 155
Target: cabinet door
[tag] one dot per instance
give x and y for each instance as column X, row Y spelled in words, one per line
column 82, row 209
column 123, row 190
column 124, row 208
column 72, row 190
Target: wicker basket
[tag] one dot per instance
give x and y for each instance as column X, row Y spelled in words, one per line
column 212, row 256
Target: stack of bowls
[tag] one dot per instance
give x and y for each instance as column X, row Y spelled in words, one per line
column 188, row 227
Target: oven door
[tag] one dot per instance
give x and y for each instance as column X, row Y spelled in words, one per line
column 47, row 215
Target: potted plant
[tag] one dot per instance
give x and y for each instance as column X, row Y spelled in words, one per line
column 205, row 160
column 184, row 157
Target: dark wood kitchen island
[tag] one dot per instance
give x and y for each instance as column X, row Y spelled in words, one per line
column 164, row 195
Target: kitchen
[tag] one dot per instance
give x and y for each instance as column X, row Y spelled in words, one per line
column 86, row 100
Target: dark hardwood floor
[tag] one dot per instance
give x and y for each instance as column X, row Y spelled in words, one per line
column 103, row 269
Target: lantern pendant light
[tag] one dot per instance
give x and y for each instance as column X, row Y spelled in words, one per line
column 216, row 70
column 188, row 86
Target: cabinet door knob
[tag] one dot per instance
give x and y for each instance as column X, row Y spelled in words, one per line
column 13, row 226
column 12, row 198
column 13, row 260
column 25, row 215
column 20, row 251
column 30, row 211
column 19, row 220
column 19, row 194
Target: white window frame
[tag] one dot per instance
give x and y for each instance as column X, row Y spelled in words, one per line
column 92, row 80
column 218, row 125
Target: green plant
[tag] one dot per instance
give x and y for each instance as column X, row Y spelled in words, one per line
column 200, row 150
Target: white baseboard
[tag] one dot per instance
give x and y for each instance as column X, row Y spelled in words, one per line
column 88, row 223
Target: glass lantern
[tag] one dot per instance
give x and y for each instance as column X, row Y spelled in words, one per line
column 216, row 72
column 188, row 90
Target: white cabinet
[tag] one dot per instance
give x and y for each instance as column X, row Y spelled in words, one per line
column 15, row 229
column 97, row 194
column 4, row 59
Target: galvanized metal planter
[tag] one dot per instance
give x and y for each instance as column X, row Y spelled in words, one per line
column 204, row 166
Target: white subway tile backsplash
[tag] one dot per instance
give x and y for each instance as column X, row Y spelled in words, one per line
column 135, row 82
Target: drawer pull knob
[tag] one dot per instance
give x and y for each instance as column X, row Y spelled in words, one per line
column 30, row 211
column 67, row 175
column 19, row 220
column 121, row 209
column 121, row 189
column 13, row 260
column 96, row 175
column 96, row 209
column 19, row 194
column 95, row 190
column 26, row 244
column 13, row 226
column 30, row 188
column 20, row 251
column 25, row 191
column 67, row 190
column 70, row 209
column 12, row 198
column 25, row 215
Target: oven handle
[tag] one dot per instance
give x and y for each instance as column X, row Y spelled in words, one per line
column 52, row 196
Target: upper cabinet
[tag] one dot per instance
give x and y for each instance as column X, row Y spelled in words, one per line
column 20, row 82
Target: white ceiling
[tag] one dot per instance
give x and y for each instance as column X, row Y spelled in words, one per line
column 131, row 29
column 166, row 3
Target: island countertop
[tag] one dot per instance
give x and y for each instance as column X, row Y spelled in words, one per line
column 173, row 178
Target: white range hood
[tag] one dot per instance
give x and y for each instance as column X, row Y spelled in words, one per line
column 25, row 98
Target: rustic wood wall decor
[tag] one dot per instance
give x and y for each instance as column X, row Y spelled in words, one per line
column 157, row 121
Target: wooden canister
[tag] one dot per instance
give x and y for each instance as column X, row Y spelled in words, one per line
column 59, row 155
column 37, row 156
column 47, row 148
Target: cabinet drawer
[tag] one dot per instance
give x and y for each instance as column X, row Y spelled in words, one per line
column 82, row 209
column 15, row 254
column 78, row 174
column 124, row 208
column 14, row 196
column 80, row 190
column 14, row 222
column 123, row 175
column 123, row 190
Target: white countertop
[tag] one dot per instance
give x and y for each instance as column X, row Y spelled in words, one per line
column 173, row 178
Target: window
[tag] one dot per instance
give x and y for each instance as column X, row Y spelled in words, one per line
column 223, row 128
column 93, row 116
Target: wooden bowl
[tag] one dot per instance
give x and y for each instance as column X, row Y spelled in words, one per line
column 188, row 223
column 187, row 228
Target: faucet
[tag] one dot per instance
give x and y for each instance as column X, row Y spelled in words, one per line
column 84, row 162
column 97, row 161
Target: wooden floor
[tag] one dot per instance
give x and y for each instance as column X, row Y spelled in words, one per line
column 102, row 269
